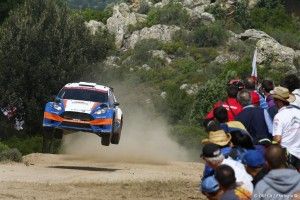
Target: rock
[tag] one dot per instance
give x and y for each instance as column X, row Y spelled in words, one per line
column 94, row 26
column 252, row 34
column 118, row 23
column 145, row 67
column 190, row 89
column 280, row 57
column 161, row 55
column 195, row 3
column 160, row 32
column 225, row 58
column 195, row 12
column 207, row 18
column 252, row 3
column 163, row 95
column 111, row 62
column 140, row 17
column 162, row 3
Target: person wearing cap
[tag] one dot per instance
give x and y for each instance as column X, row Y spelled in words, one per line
column 254, row 163
column 211, row 154
column 286, row 125
column 222, row 139
column 210, row 188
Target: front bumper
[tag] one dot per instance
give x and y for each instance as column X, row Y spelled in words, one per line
column 97, row 126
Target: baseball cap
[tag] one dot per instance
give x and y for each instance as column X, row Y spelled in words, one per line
column 211, row 150
column 209, row 185
column 253, row 158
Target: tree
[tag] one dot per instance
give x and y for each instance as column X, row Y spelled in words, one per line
column 42, row 47
column 6, row 6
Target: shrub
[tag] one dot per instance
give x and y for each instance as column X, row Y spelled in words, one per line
column 3, row 147
column 210, row 35
column 217, row 11
column 11, row 155
column 98, row 15
column 171, row 14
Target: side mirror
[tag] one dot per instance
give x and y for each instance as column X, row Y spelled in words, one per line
column 116, row 104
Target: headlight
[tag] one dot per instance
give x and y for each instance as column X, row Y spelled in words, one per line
column 57, row 107
column 101, row 111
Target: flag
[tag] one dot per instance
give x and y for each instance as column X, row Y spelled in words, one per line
column 254, row 68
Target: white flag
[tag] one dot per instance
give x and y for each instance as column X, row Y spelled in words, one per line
column 254, row 68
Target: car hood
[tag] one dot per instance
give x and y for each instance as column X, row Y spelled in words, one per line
column 80, row 106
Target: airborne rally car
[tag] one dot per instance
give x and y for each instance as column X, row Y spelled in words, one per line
column 87, row 107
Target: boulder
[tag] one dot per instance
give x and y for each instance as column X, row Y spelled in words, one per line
column 160, row 32
column 94, row 26
column 119, row 22
column 161, row 55
column 195, row 3
column 252, row 34
column 280, row 57
column 252, row 3
column 225, row 58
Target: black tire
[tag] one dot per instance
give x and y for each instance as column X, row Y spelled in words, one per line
column 117, row 135
column 48, row 140
column 58, row 134
column 106, row 139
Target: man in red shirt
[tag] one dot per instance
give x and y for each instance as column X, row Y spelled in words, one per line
column 231, row 104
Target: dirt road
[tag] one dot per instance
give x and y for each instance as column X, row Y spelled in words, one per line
column 43, row 176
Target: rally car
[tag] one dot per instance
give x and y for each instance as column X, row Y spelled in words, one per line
column 87, row 107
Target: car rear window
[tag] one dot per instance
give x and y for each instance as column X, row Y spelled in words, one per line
column 84, row 95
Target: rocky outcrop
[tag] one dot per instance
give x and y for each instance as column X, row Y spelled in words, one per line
column 160, row 32
column 252, row 34
column 119, row 22
column 280, row 57
column 94, row 26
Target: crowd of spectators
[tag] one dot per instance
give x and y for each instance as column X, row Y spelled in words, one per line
column 253, row 146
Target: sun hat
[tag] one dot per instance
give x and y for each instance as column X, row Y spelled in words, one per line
column 282, row 94
column 217, row 137
column 209, row 185
column 253, row 158
column 211, row 150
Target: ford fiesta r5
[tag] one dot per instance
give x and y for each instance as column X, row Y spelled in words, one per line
column 87, row 107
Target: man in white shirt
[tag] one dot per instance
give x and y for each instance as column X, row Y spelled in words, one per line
column 286, row 125
column 212, row 155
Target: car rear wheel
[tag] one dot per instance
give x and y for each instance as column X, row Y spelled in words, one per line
column 48, row 140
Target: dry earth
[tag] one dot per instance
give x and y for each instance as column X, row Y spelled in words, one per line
column 45, row 176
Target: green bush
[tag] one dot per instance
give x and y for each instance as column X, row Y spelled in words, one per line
column 98, row 15
column 11, row 155
column 3, row 147
column 210, row 35
column 217, row 11
column 171, row 14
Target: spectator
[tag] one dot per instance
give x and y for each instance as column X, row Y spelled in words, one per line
column 221, row 139
column 286, row 129
column 292, row 83
column 241, row 143
column 254, row 163
column 221, row 116
column 231, row 104
column 210, row 188
column 225, row 175
column 213, row 157
column 256, row 98
column 253, row 118
column 280, row 180
column 266, row 88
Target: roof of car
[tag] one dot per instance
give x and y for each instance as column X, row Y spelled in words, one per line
column 88, row 85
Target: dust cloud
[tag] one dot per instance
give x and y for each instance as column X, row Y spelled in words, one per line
column 144, row 138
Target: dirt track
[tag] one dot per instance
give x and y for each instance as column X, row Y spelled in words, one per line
column 69, row 177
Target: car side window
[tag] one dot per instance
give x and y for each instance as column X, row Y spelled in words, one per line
column 111, row 99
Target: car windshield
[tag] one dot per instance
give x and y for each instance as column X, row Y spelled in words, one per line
column 85, row 95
